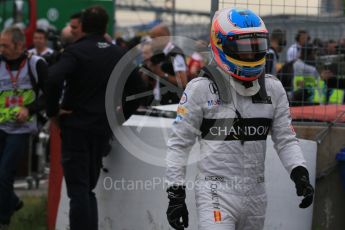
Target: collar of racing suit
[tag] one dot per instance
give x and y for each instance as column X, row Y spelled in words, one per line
column 239, row 86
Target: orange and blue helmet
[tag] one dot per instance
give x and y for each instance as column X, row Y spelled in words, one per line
column 239, row 43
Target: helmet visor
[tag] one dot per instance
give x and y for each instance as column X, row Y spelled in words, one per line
column 249, row 47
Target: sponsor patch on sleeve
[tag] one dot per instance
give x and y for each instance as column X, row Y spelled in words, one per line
column 178, row 118
column 183, row 99
column 181, row 110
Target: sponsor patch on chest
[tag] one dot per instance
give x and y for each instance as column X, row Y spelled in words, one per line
column 214, row 102
column 231, row 129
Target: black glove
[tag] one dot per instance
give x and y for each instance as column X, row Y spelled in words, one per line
column 300, row 176
column 177, row 207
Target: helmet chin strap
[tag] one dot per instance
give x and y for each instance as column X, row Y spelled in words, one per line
column 247, row 84
column 244, row 88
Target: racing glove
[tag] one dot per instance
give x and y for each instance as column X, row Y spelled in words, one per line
column 300, row 176
column 177, row 208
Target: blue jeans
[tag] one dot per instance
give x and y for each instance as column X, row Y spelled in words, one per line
column 12, row 148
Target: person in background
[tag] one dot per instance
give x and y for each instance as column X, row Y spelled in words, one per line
column 136, row 83
column 197, row 60
column 168, row 62
column 40, row 42
column 294, row 50
column 277, row 44
column 195, row 64
column 307, row 82
column 76, row 27
column 305, row 79
column 119, row 41
column 319, row 47
column 22, row 79
column 334, row 82
column 149, row 82
column 109, row 38
column 66, row 36
column 146, row 52
column 85, row 66
column 331, row 47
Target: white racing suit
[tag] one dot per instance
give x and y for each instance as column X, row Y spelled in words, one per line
column 230, row 189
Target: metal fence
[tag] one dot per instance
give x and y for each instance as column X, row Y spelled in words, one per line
column 324, row 22
column 183, row 22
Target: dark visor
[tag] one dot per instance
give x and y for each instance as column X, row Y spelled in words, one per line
column 248, row 47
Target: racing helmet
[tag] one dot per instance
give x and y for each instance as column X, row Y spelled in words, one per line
column 239, row 42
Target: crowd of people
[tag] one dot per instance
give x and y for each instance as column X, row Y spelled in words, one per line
column 312, row 73
column 70, row 85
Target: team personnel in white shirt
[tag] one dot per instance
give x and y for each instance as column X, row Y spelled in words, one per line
column 168, row 62
column 40, row 42
column 294, row 50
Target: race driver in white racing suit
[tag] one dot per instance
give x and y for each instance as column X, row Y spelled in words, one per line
column 230, row 109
